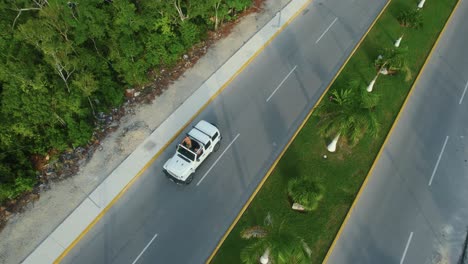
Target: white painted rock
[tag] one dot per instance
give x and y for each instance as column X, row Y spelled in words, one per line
column 298, row 207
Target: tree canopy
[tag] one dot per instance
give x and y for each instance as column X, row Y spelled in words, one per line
column 62, row 61
column 349, row 112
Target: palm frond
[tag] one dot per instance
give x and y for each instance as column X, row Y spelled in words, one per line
column 252, row 252
column 284, row 248
column 350, row 111
column 368, row 100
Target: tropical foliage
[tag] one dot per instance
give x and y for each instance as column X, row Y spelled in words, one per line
column 345, row 108
column 410, row 18
column 62, row 61
column 306, row 192
column 348, row 112
column 393, row 59
column 283, row 246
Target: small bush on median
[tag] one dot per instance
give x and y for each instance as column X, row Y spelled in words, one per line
column 306, row 192
column 411, row 19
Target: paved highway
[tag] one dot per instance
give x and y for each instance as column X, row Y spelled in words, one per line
column 415, row 206
column 157, row 221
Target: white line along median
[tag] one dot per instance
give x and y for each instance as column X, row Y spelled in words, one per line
column 216, row 161
column 281, row 83
column 463, row 94
column 406, row 248
column 326, row 30
column 144, row 249
column 438, row 160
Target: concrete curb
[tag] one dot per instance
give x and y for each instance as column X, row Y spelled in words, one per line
column 83, row 218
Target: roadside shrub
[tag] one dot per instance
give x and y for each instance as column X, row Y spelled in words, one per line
column 306, row 192
column 12, row 191
column 189, row 34
column 59, row 68
column 410, row 18
column 22, row 185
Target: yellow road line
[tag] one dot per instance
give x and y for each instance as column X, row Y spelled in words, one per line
column 295, row 134
column 122, row 192
column 363, row 186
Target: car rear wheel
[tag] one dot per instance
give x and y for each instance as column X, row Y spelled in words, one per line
column 216, row 147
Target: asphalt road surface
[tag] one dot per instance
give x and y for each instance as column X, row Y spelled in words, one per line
column 157, row 221
column 415, row 206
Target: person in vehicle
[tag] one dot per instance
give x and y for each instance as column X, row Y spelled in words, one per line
column 187, row 142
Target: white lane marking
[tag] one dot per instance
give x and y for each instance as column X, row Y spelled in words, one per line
column 216, row 161
column 438, row 160
column 143, row 251
column 326, row 30
column 281, row 83
column 406, row 248
column 463, row 95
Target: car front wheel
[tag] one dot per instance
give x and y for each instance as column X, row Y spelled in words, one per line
column 189, row 179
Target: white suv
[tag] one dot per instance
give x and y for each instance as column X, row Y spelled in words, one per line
column 202, row 139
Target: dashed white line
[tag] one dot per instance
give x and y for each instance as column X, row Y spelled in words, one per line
column 143, row 251
column 463, row 95
column 216, row 161
column 281, row 83
column 438, row 160
column 326, row 30
column 406, row 248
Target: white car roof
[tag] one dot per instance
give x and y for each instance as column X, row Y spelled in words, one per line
column 199, row 136
column 206, row 128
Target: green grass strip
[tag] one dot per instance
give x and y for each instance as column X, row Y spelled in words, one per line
column 343, row 173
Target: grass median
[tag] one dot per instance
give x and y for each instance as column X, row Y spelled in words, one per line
column 344, row 171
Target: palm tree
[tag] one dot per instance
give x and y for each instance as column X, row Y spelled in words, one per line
column 349, row 113
column 305, row 192
column 391, row 60
column 278, row 247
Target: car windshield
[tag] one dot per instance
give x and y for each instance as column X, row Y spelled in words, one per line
column 185, row 153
